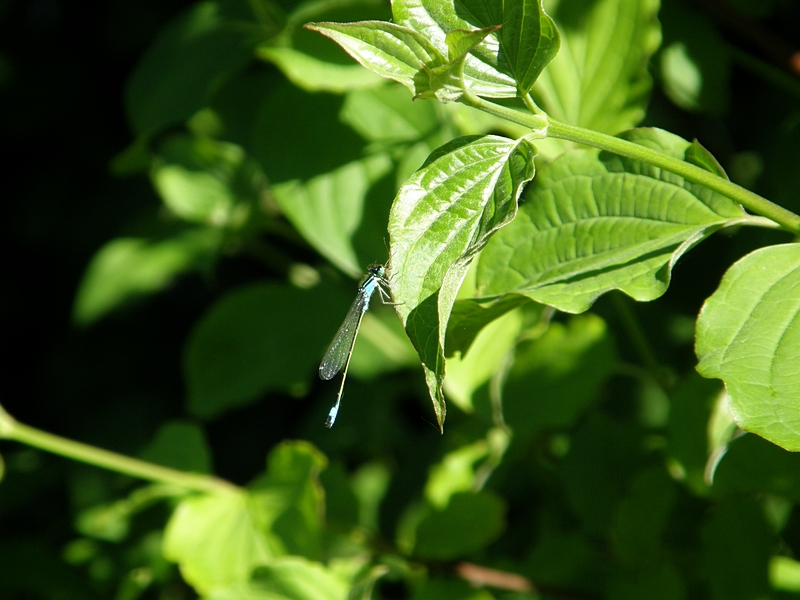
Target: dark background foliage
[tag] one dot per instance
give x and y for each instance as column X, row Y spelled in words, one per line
column 63, row 68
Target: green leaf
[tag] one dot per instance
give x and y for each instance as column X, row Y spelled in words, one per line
column 384, row 114
column 489, row 354
column 599, row 79
column 435, row 19
column 442, row 216
column 590, row 224
column 179, row 445
column 555, row 378
column 292, row 483
column 247, row 344
column 388, row 49
column 694, row 64
column 287, row 578
column 315, row 75
column 177, row 75
column 748, row 335
column 219, row 539
column 469, row 316
column 126, row 269
column 454, row 474
column 529, row 41
column 455, row 532
column 688, row 440
column 446, row 83
column 328, row 209
column 207, row 181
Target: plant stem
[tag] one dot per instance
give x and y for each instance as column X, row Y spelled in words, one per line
column 14, row 430
column 746, row 198
column 556, row 129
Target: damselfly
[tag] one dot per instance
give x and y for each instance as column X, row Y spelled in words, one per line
column 337, row 358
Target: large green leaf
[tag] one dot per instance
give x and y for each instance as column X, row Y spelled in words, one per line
column 599, row 79
column 328, row 209
column 592, row 223
column 441, row 217
column 219, row 539
column 748, row 335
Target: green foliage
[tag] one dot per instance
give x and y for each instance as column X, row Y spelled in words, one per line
column 585, row 457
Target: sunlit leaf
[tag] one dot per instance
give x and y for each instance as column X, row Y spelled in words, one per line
column 388, row 49
column 218, row 539
column 592, row 223
column 440, row 219
column 748, row 335
column 286, row 578
column 599, row 78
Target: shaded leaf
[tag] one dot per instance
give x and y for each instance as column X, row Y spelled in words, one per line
column 126, row 269
column 176, row 76
column 179, row 445
column 455, row 532
column 557, row 376
column 752, row 465
column 748, row 335
column 246, row 344
column 207, row 181
column 738, row 545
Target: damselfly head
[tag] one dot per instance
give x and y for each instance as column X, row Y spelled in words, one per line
column 377, row 270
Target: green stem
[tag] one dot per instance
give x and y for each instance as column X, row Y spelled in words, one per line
column 556, row 129
column 14, row 430
column 752, row 202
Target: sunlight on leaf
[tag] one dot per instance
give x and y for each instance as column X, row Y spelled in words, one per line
column 592, row 223
column 440, row 219
column 599, row 79
column 748, row 335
